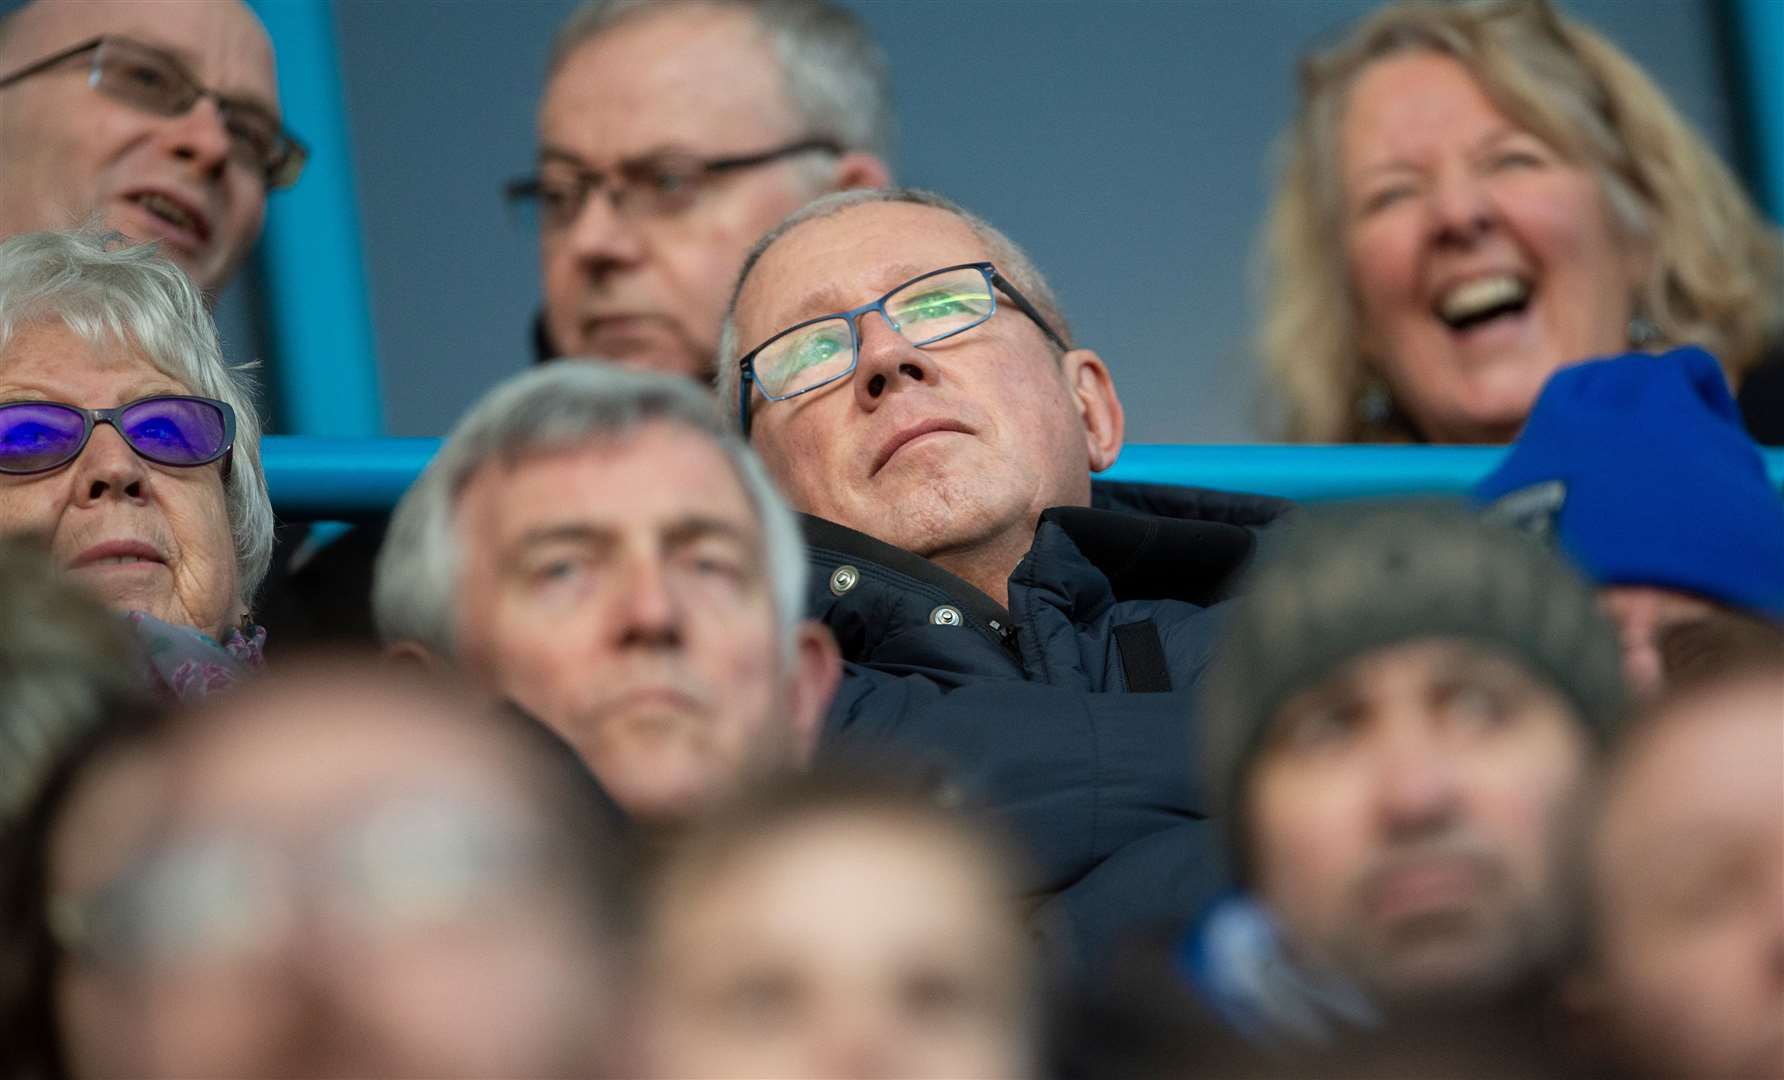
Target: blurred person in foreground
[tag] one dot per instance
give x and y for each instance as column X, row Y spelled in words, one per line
column 1639, row 469
column 1477, row 194
column 599, row 548
column 130, row 446
column 1400, row 731
column 671, row 136
column 160, row 119
column 910, row 381
column 332, row 873
column 836, row 925
column 1684, row 971
column 66, row 662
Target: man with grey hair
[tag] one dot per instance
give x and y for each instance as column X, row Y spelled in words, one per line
column 912, row 385
column 160, row 119
column 696, row 126
column 601, row 549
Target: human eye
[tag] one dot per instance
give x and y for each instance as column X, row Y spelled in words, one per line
column 943, row 303
column 27, row 435
column 803, row 350
column 143, row 78
column 760, row 999
column 669, row 184
column 1320, row 725
column 159, row 432
column 935, row 996
column 1385, row 196
column 256, row 133
column 559, row 199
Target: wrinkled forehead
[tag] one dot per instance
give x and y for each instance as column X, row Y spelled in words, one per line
column 849, row 258
column 222, row 42
column 656, row 476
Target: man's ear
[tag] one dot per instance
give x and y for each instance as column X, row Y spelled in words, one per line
column 811, row 684
column 859, row 169
column 1091, row 386
column 417, row 657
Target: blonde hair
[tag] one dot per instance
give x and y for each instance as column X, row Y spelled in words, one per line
column 1716, row 267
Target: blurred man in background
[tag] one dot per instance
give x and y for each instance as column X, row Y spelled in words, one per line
column 671, row 136
column 163, row 119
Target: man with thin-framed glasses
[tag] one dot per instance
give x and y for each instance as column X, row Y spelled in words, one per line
column 160, row 118
column 671, row 136
column 912, row 384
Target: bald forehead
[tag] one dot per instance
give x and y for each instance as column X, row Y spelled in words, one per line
column 837, row 261
column 222, row 41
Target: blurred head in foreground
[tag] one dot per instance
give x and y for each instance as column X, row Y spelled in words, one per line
column 839, row 924
column 1400, row 728
column 1685, row 969
column 65, row 664
column 334, row 874
column 598, row 547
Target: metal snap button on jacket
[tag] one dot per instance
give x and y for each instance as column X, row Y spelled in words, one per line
column 844, row 579
column 945, row 615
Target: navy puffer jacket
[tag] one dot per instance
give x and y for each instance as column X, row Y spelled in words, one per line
column 1068, row 714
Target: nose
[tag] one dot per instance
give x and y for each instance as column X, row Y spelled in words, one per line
column 645, row 611
column 888, row 362
column 108, row 468
column 857, row 1042
column 601, row 237
column 1416, row 789
column 200, row 136
column 1461, row 207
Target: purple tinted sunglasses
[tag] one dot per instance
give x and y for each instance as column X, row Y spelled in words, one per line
column 169, row 429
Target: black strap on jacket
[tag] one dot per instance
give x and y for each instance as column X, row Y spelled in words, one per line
column 1142, row 658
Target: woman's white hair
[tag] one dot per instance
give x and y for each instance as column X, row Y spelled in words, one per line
column 110, row 292
column 415, row 585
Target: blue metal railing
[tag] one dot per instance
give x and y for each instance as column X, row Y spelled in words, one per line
column 315, row 478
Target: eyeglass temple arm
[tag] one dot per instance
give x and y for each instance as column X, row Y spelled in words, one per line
column 1028, row 309
column 49, row 62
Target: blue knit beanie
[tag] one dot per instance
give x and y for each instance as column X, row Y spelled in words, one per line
column 1641, row 469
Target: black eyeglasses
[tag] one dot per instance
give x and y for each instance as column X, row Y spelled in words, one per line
column 169, row 429
column 153, row 81
column 649, row 187
column 923, row 310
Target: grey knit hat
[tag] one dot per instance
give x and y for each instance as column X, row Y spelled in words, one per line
column 1341, row 581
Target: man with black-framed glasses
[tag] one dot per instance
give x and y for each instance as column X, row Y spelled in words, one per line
column 163, row 119
column 671, row 136
column 911, row 383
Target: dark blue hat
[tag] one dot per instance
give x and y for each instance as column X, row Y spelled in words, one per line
column 1641, row 469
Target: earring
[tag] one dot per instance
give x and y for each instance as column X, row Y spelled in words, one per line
column 1374, row 404
column 1643, row 331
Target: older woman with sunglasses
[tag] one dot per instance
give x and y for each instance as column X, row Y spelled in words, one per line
column 128, row 445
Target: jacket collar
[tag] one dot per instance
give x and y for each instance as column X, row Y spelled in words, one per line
column 1139, row 542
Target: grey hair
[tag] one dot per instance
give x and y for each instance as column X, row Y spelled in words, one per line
column 564, row 403
column 834, row 74
column 108, row 291
column 1009, row 257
